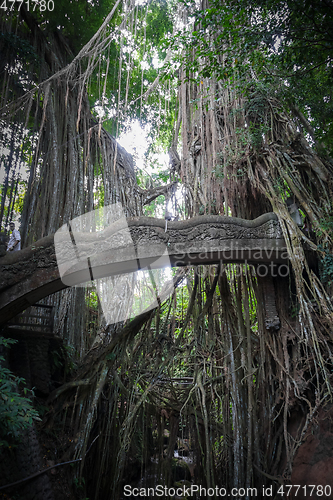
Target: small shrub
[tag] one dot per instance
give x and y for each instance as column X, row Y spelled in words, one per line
column 16, row 411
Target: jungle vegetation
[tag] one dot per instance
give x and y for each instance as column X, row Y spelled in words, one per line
column 240, row 95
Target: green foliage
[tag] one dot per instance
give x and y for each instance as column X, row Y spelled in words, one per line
column 79, row 483
column 155, row 207
column 19, row 199
column 327, row 268
column 326, row 260
column 77, row 20
column 18, row 47
column 327, row 223
column 288, row 42
column 257, row 111
column 298, row 34
column 140, row 50
column 16, row 411
column 158, row 24
column 92, row 299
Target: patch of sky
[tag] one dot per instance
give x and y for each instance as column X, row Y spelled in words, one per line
column 135, row 139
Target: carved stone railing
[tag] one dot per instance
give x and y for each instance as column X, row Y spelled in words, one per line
column 33, row 273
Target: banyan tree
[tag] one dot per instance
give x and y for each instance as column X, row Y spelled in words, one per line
column 234, row 368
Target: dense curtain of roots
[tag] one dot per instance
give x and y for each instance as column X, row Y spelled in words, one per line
column 243, row 155
column 209, row 365
column 74, row 165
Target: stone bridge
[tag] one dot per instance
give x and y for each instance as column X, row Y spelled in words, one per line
column 33, row 273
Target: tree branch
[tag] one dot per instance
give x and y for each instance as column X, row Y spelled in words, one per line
column 306, row 124
column 150, row 195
